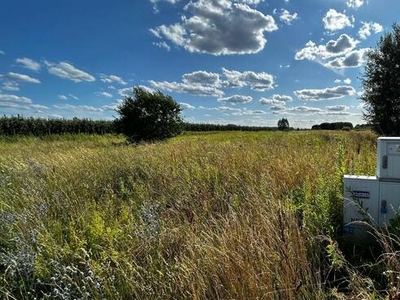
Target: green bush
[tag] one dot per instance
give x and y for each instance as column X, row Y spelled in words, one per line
column 149, row 116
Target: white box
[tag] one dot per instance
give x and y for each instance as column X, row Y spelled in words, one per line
column 388, row 158
column 361, row 199
column 389, row 202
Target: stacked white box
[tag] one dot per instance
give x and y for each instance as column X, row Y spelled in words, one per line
column 388, row 158
column 374, row 199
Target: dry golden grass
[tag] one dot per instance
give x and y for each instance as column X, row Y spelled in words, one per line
column 203, row 216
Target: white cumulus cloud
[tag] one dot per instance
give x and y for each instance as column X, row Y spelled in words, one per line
column 325, row 94
column 29, row 63
column 22, row 77
column 235, row 99
column 352, row 59
column 181, row 87
column 277, row 101
column 202, row 77
column 67, row 71
column 257, row 81
column 286, row 17
column 368, row 28
column 334, row 20
column 112, row 79
column 10, row 86
column 14, row 99
column 336, row 54
column 105, row 94
column 337, row 108
column 219, row 27
column 354, row 3
column 184, row 105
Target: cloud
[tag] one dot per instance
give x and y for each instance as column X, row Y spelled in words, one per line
column 62, row 97
column 235, row 99
column 277, row 102
column 85, row 108
column 219, row 27
column 305, row 109
column 311, row 52
column 14, row 98
column 284, row 98
column 2, row 52
column 337, row 113
column 355, row 3
column 351, row 60
column 155, row 2
column 168, row 1
column 28, row 106
column 337, row 108
column 343, row 44
column 162, row 45
column 29, row 63
column 146, row 89
column 334, row 20
column 22, row 78
column 112, row 79
column 125, row 92
column 257, row 81
column 193, row 89
column 325, row 94
column 368, row 28
column 10, row 86
column 252, row 2
column 105, row 94
column 333, row 48
column 184, row 105
column 10, row 105
column 201, row 77
column 286, row 17
column 203, row 83
column 111, row 107
column 337, row 54
column 228, row 109
column 272, row 102
column 67, row 71
column 347, row 81
column 233, row 111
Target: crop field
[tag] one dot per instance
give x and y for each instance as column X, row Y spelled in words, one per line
column 231, row 215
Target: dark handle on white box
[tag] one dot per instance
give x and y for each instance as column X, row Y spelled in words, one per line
column 384, row 162
column 384, row 207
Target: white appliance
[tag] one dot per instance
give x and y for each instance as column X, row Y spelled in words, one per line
column 374, row 199
column 388, row 158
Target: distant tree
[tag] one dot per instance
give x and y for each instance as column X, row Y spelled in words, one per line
column 148, row 116
column 283, row 124
column 381, row 82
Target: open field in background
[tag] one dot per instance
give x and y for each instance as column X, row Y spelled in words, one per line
column 231, row 215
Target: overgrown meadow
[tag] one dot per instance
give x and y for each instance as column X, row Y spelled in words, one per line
column 232, row 215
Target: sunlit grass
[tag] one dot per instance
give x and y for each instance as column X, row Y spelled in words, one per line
column 232, row 215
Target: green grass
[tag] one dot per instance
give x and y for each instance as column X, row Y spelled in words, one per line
column 202, row 216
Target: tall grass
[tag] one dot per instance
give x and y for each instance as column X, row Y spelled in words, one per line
column 203, row 216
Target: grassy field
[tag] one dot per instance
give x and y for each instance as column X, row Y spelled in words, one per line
column 232, row 215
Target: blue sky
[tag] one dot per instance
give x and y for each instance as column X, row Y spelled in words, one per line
column 246, row 62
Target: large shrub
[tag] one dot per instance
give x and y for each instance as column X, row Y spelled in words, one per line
column 149, row 116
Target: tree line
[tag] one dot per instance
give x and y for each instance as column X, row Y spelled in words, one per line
column 333, row 126
column 20, row 125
